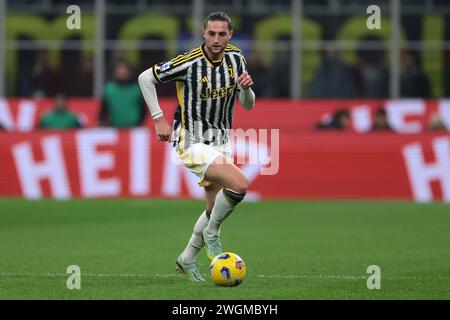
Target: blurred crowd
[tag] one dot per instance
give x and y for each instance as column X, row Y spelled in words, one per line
column 333, row 78
column 367, row 77
column 340, row 120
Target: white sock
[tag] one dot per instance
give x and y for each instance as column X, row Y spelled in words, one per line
column 196, row 241
column 226, row 201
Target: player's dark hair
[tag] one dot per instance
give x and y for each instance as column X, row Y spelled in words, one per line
column 218, row 16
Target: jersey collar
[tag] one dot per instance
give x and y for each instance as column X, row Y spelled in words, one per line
column 213, row 63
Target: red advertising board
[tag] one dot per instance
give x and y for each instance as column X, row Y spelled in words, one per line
column 308, row 165
column 23, row 115
column 405, row 116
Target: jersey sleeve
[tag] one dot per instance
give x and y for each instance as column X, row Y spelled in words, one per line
column 242, row 66
column 171, row 70
column 243, row 63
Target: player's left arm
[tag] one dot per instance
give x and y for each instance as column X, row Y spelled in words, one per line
column 246, row 95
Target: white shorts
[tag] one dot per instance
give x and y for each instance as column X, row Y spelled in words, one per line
column 198, row 157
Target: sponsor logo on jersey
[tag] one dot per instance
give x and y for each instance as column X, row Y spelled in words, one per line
column 217, row 93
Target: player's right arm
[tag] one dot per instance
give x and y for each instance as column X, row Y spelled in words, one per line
column 147, row 83
column 172, row 70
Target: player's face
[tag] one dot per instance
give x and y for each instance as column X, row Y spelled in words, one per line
column 217, row 35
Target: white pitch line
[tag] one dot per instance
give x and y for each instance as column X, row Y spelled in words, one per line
column 94, row 275
column 169, row 275
column 306, row 276
column 331, row 276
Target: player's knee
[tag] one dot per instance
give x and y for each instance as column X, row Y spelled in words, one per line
column 242, row 189
column 241, row 185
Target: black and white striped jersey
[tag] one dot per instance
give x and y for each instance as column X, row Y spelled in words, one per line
column 206, row 92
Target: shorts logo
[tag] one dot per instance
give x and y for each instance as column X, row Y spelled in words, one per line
column 165, row 66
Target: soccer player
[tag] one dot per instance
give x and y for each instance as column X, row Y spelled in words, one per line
column 208, row 79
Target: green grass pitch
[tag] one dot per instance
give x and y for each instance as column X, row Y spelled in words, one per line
column 126, row 249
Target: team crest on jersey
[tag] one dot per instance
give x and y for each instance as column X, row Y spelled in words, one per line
column 231, row 72
column 165, row 66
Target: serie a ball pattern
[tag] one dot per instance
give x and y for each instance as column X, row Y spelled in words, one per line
column 227, row 269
